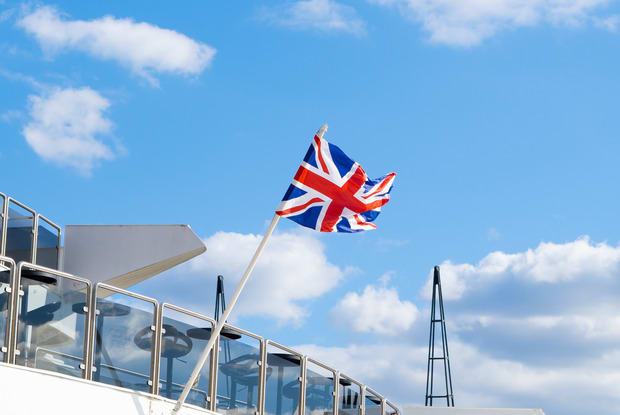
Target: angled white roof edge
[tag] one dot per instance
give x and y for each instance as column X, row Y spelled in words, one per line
column 124, row 255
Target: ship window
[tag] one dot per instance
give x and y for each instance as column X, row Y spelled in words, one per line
column 182, row 343
column 51, row 323
column 238, row 373
column 282, row 388
column 48, row 241
column 349, row 397
column 19, row 232
column 372, row 404
column 123, row 340
column 319, row 390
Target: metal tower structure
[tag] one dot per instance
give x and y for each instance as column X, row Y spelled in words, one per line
column 220, row 299
column 220, row 306
column 445, row 357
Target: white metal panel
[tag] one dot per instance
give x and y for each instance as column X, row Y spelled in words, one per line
column 26, row 391
column 124, row 255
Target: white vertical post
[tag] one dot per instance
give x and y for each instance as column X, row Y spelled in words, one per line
column 233, row 300
column 222, row 321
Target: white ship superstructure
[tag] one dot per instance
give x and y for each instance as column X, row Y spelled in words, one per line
column 75, row 339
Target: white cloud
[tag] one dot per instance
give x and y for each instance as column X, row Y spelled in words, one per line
column 142, row 47
column 549, row 263
column 469, row 22
column 321, row 15
column 65, row 125
column 292, row 270
column 479, row 380
column 376, row 310
column 538, row 328
column 392, row 369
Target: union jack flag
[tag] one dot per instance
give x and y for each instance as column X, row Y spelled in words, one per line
column 331, row 193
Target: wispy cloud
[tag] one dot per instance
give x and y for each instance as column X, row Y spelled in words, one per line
column 142, row 47
column 493, row 234
column 385, row 244
column 6, row 14
column 469, row 22
column 320, row 15
column 66, row 126
column 20, row 77
column 11, row 115
column 609, row 23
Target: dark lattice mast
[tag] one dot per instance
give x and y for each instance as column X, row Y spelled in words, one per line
column 220, row 299
column 445, row 357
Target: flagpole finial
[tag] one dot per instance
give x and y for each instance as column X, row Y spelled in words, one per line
column 321, row 131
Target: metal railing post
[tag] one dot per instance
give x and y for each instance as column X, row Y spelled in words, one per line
column 35, row 237
column 215, row 358
column 302, row 386
column 10, row 290
column 262, row 378
column 4, row 213
column 336, row 392
column 17, row 292
column 363, row 400
column 92, row 315
column 157, row 338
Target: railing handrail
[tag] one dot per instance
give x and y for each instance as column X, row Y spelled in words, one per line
column 286, row 349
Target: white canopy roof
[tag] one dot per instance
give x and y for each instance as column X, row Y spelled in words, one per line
column 124, row 255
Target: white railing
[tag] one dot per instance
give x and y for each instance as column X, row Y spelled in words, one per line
column 134, row 342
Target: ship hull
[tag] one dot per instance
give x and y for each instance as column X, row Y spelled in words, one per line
column 27, row 391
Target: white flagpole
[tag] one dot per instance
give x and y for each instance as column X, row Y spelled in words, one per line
column 233, row 300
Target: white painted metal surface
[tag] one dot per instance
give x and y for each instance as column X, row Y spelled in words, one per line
column 438, row 410
column 124, row 255
column 26, row 391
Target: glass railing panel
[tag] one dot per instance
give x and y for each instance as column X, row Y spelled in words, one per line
column 238, row 373
column 123, row 339
column 48, row 242
column 349, row 396
column 319, row 390
column 51, row 322
column 282, row 388
column 5, row 299
column 184, row 338
column 372, row 402
column 20, row 225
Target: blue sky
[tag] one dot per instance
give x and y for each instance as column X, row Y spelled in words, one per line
column 499, row 117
